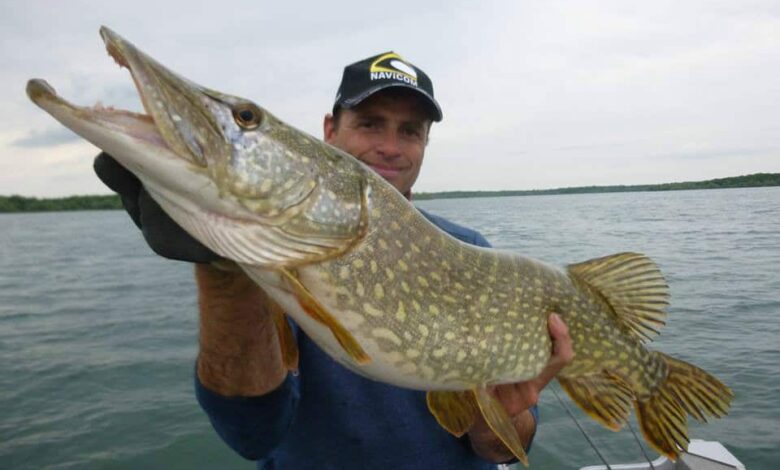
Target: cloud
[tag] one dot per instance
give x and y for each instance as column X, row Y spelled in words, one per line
column 46, row 138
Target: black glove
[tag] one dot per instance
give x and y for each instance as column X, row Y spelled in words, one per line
column 163, row 235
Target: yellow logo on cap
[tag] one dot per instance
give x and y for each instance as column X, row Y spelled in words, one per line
column 393, row 66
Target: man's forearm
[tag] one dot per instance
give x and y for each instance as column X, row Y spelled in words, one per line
column 488, row 446
column 239, row 348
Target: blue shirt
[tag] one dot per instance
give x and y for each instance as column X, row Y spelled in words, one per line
column 330, row 418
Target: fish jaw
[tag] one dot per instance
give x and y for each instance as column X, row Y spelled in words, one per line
column 131, row 138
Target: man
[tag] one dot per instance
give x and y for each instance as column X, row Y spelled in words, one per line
column 327, row 417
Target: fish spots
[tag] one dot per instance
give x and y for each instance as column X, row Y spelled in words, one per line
column 423, row 330
column 385, row 333
column 358, row 264
column 390, row 274
column 461, row 355
column 371, row 310
column 402, row 265
column 439, row 353
column 423, row 282
column 344, row 273
column 400, row 313
column 433, row 310
column 382, row 244
column 266, row 185
column 449, row 336
column 374, row 267
column 405, row 287
column 359, row 289
column 379, row 291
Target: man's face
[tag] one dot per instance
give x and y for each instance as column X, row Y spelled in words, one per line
column 388, row 132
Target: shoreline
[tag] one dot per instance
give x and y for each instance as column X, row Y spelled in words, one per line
column 16, row 204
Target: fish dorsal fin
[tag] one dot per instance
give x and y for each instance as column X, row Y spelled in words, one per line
column 633, row 286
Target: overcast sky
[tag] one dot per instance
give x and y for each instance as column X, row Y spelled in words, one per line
column 536, row 94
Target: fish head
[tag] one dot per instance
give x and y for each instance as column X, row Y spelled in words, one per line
column 241, row 181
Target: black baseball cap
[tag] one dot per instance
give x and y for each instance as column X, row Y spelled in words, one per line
column 364, row 78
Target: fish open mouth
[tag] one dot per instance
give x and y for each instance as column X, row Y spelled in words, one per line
column 176, row 114
column 135, row 125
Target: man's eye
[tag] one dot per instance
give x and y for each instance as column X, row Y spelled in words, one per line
column 412, row 132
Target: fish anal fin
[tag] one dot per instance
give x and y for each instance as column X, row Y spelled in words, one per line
column 315, row 310
column 604, row 397
column 633, row 286
column 687, row 390
column 287, row 341
column 500, row 423
column 455, row 411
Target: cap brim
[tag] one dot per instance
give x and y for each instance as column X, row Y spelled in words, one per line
column 429, row 101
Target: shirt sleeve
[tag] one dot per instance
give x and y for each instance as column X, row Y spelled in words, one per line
column 251, row 426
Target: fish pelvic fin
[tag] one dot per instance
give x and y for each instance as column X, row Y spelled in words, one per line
column 455, row 411
column 605, row 397
column 500, row 423
column 633, row 286
column 687, row 390
column 315, row 310
column 286, row 339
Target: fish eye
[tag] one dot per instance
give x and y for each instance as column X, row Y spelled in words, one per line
column 247, row 116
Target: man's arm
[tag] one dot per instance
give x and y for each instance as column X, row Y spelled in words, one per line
column 518, row 398
column 239, row 347
column 240, row 380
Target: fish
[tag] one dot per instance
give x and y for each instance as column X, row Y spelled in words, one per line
column 375, row 284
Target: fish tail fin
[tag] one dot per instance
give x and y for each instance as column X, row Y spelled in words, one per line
column 686, row 390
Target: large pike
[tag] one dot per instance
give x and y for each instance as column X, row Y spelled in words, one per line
column 376, row 285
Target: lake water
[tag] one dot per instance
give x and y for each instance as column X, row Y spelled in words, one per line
column 98, row 336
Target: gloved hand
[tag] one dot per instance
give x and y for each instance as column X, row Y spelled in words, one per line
column 163, row 235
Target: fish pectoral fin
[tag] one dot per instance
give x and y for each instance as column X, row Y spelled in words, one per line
column 686, row 390
column 605, row 397
column 315, row 310
column 287, row 341
column 633, row 286
column 500, row 423
column 455, row 411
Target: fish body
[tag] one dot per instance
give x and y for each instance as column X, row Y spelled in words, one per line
column 375, row 284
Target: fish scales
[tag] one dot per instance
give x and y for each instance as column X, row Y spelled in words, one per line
column 375, row 284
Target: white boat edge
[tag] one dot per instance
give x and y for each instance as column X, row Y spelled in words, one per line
column 701, row 455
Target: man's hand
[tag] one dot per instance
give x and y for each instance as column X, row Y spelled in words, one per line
column 163, row 235
column 517, row 398
column 239, row 349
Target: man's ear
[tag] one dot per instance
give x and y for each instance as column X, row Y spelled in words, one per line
column 328, row 128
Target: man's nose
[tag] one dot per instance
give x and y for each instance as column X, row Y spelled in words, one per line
column 389, row 144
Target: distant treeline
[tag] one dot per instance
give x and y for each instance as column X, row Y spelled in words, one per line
column 79, row 203
column 747, row 181
column 70, row 203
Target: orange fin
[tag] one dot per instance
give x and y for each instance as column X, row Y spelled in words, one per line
column 633, row 286
column 286, row 339
column 604, row 397
column 500, row 422
column 315, row 310
column 687, row 390
column 455, row 411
